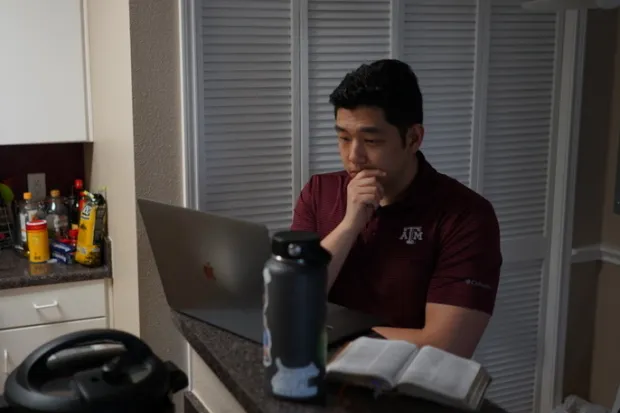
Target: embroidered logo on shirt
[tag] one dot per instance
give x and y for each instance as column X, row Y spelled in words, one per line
column 475, row 283
column 411, row 234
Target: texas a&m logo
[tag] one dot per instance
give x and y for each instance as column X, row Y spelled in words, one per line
column 411, row 234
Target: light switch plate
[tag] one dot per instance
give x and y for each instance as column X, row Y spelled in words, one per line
column 36, row 186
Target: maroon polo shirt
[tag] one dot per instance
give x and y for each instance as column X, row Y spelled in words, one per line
column 439, row 243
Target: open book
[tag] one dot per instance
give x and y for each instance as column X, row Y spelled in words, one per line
column 401, row 367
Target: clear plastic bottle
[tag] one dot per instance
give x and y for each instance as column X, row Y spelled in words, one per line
column 57, row 216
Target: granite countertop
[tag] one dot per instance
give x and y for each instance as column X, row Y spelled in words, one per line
column 18, row 272
column 238, row 364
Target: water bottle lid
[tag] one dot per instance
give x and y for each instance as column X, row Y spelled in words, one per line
column 300, row 245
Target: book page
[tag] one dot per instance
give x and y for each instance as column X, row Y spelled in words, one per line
column 373, row 357
column 443, row 373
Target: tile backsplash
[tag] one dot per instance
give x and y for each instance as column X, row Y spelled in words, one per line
column 62, row 163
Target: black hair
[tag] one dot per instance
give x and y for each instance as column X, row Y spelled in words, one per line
column 388, row 84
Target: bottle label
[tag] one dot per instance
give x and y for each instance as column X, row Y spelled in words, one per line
column 266, row 332
column 24, row 217
column 56, row 222
column 60, row 222
column 294, row 382
column 22, row 227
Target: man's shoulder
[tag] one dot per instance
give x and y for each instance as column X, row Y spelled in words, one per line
column 468, row 221
column 457, row 198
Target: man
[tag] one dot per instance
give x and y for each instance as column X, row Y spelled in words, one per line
column 409, row 244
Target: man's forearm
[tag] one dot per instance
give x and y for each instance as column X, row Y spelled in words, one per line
column 338, row 243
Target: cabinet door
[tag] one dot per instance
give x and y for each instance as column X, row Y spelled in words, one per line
column 22, row 307
column 42, row 74
column 17, row 344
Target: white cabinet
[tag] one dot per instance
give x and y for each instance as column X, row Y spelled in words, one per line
column 32, row 316
column 55, row 303
column 17, row 344
column 43, row 82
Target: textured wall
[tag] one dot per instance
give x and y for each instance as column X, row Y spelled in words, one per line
column 606, row 353
column 592, row 337
column 62, row 163
column 605, row 377
column 611, row 221
column 155, row 58
column 580, row 328
column 598, row 77
column 109, row 160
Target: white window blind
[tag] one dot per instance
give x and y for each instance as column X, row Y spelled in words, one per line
column 514, row 177
column 439, row 43
column 486, row 69
column 510, row 346
column 341, row 36
column 245, row 154
column 519, row 116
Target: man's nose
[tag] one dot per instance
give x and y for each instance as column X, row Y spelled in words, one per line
column 357, row 153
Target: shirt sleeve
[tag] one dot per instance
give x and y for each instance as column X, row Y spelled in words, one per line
column 468, row 269
column 304, row 217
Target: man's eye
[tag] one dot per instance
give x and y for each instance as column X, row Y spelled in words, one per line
column 344, row 138
column 371, row 141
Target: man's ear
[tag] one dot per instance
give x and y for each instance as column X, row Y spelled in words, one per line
column 415, row 135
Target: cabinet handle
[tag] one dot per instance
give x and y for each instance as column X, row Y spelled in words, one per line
column 6, row 361
column 39, row 307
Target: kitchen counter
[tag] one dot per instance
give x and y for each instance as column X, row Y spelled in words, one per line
column 18, row 272
column 238, row 364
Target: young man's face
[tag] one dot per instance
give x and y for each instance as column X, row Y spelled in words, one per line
column 367, row 141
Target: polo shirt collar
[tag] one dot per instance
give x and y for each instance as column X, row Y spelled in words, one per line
column 421, row 186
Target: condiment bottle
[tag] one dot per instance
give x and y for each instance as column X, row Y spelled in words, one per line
column 38, row 242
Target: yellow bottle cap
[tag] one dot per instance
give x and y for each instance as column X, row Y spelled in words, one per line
column 27, row 195
column 55, row 192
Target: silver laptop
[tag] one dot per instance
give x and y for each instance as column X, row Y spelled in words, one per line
column 211, row 269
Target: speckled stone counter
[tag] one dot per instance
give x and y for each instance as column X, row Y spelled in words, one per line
column 18, row 272
column 238, row 364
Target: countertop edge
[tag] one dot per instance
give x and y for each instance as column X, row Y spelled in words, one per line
column 54, row 278
column 244, row 399
column 243, row 387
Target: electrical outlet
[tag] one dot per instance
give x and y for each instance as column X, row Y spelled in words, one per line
column 36, row 186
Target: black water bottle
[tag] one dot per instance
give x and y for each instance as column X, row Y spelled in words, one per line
column 294, row 317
